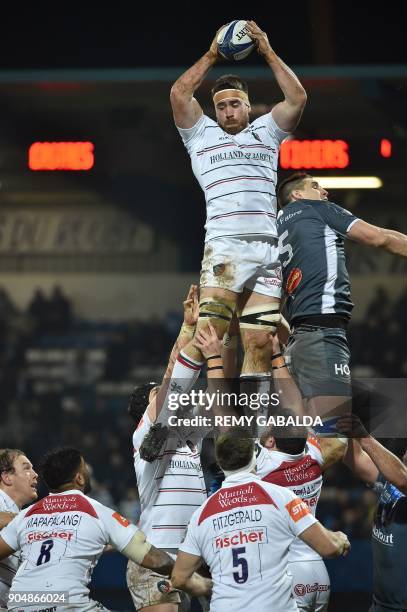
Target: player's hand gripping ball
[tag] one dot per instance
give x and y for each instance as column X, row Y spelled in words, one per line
column 233, row 40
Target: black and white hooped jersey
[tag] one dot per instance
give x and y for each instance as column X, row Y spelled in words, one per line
column 244, row 532
column 61, row 538
column 311, row 243
column 238, row 174
column 171, row 487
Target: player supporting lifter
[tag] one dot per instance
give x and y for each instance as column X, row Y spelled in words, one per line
column 62, row 537
column 235, row 163
column 169, row 475
column 244, row 531
column 311, row 239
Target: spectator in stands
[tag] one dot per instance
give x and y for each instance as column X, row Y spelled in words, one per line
column 59, row 311
column 38, row 310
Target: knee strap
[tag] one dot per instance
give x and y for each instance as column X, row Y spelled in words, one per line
column 216, row 308
column 263, row 317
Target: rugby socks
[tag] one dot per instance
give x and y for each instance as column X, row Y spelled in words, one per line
column 253, row 385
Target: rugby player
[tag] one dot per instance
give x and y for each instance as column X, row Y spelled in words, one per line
column 172, row 485
column 62, row 536
column 18, row 487
column 235, row 163
column 244, row 531
column 387, row 474
column 311, row 233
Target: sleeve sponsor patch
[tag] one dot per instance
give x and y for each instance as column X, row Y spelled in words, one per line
column 120, row 519
column 297, row 509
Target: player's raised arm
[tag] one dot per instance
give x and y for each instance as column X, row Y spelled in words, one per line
column 372, row 235
column 287, row 113
column 185, row 107
column 367, row 457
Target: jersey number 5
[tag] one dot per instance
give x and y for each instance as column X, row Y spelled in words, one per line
column 285, row 248
column 241, row 563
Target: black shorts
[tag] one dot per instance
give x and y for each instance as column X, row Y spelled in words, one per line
column 318, row 359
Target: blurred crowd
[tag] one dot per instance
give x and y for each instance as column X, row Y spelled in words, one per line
column 65, row 381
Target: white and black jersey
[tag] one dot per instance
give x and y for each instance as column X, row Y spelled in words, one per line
column 238, row 174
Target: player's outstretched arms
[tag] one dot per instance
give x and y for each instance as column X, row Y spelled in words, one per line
column 145, row 554
column 184, row 577
column 185, row 107
column 327, row 543
column 372, row 235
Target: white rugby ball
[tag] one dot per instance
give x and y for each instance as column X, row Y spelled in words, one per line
column 234, row 43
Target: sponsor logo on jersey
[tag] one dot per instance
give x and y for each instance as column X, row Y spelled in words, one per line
column 228, row 498
column 297, row 509
column 293, row 280
column 121, row 519
column 291, row 473
column 237, row 538
column 54, row 504
column 39, row 536
column 303, row 589
column 384, row 538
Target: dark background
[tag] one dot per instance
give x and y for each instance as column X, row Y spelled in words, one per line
column 174, row 34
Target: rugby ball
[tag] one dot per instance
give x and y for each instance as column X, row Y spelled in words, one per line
column 234, row 43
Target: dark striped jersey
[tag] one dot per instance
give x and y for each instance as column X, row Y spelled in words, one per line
column 311, row 243
column 238, row 174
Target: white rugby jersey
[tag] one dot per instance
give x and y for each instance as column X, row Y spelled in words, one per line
column 301, row 474
column 243, row 532
column 9, row 565
column 61, row 538
column 171, row 487
column 238, row 174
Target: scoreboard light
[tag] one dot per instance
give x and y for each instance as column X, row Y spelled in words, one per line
column 314, row 154
column 349, row 182
column 61, row 156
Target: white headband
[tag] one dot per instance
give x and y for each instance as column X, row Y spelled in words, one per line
column 246, row 468
column 226, row 94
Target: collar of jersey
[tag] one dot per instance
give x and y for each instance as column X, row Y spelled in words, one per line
column 287, row 455
column 70, row 492
column 239, row 477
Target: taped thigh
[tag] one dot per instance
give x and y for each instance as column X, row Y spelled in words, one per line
column 262, row 317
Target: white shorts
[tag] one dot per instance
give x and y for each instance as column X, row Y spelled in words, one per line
column 143, row 585
column 311, row 585
column 234, row 263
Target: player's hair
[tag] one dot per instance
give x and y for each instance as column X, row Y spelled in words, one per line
column 234, row 448
column 138, row 401
column 7, row 458
column 229, row 81
column 289, row 438
column 286, row 187
column 59, row 466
